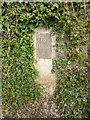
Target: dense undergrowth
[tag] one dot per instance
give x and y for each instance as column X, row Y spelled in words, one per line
column 19, row 21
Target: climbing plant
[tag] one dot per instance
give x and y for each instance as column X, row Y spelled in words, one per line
column 19, row 21
column 71, row 93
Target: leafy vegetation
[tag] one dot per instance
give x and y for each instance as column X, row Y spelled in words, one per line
column 19, row 21
column 71, row 93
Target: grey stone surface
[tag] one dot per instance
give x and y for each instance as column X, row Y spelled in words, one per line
column 43, row 46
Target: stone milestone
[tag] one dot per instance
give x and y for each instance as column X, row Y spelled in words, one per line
column 43, row 46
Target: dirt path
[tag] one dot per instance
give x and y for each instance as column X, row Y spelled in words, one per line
column 46, row 106
column 48, row 83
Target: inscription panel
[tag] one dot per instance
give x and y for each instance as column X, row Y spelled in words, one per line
column 43, row 46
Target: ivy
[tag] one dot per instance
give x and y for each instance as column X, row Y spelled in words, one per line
column 19, row 21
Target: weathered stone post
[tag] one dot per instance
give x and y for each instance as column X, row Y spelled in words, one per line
column 44, row 52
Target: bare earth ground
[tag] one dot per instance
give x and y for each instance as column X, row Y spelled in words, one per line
column 45, row 108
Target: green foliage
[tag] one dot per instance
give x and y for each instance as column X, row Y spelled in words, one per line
column 19, row 21
column 71, row 94
column 72, row 89
column 19, row 88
